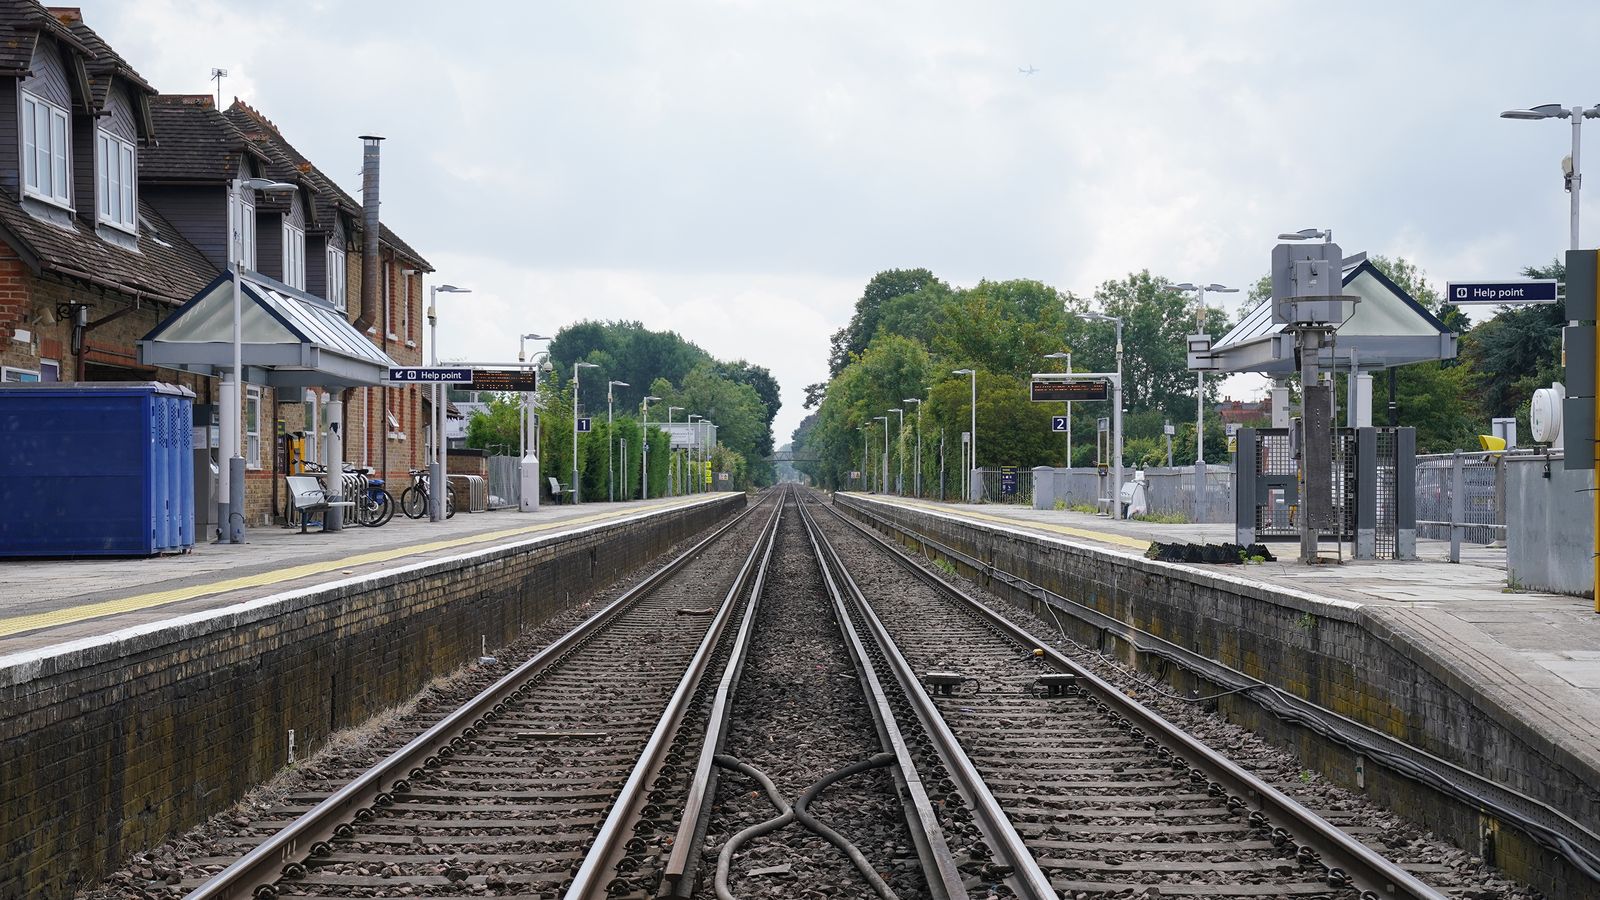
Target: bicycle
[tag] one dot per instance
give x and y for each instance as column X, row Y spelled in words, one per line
column 414, row 499
column 374, row 506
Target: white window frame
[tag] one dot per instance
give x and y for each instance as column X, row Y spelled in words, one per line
column 252, row 427
column 54, row 365
column 294, row 255
column 405, row 308
column 242, row 230
column 337, row 285
column 16, row 375
column 56, row 154
column 117, row 181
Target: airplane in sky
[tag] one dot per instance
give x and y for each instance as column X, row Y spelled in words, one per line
column 1028, row 71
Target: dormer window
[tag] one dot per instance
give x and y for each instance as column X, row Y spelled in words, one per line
column 44, row 150
column 336, row 276
column 118, row 181
column 294, row 256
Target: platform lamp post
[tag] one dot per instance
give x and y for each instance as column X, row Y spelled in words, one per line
column 972, row 462
column 230, row 475
column 899, row 436
column 1199, row 290
column 1570, row 167
column 1066, row 355
column 916, row 478
column 611, row 453
column 524, row 418
column 436, row 485
column 1116, row 416
column 644, row 450
column 883, row 479
column 577, row 381
column 675, row 457
column 694, row 445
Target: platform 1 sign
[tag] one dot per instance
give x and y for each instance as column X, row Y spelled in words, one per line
column 1069, row 391
column 583, row 424
column 1495, row 293
column 430, row 375
column 1059, row 423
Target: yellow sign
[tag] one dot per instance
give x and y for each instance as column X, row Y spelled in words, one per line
column 708, row 473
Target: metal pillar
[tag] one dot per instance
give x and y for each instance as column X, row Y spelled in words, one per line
column 1366, row 493
column 333, row 459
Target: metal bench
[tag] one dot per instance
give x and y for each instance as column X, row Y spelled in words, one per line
column 556, row 490
column 308, row 495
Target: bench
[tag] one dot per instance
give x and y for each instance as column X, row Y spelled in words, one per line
column 307, row 495
column 556, row 490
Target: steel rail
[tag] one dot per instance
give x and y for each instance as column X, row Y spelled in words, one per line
column 593, row 878
column 692, row 826
column 939, row 871
column 1368, row 871
column 255, row 873
column 1026, row 879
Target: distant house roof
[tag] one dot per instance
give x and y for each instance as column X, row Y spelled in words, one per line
column 1387, row 328
column 194, row 143
column 330, row 198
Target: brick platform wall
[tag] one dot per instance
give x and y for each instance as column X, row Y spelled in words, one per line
column 1346, row 659
column 112, row 748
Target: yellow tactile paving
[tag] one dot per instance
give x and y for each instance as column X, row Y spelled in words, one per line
column 71, row 614
column 1105, row 537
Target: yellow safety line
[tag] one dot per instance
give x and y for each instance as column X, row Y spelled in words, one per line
column 71, row 614
column 1102, row 536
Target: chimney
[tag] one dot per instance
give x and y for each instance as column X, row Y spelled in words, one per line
column 371, row 281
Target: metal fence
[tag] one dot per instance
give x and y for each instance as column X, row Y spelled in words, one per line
column 995, row 483
column 1483, row 507
column 505, row 482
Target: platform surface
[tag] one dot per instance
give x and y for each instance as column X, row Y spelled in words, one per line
column 46, row 602
column 1537, row 653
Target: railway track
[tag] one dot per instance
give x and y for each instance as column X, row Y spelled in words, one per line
column 792, row 707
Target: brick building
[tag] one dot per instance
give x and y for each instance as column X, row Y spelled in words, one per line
column 116, row 217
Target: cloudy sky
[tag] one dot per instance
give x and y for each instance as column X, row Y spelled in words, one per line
column 737, row 170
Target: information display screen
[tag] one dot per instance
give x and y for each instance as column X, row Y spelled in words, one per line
column 503, row 380
column 1059, row 391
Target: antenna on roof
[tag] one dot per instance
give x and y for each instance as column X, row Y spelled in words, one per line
column 217, row 75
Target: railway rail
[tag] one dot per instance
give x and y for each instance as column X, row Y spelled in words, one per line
column 952, row 743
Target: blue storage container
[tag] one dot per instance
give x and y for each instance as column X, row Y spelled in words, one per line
column 96, row 469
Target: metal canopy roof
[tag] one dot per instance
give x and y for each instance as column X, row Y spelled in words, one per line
column 1387, row 329
column 291, row 339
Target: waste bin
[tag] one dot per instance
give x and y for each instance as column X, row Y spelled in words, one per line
column 96, row 469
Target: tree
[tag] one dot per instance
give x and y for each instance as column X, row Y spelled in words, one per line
column 851, row 340
column 1516, row 352
column 498, row 428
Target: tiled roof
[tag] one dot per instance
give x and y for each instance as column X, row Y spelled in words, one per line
column 193, row 142
column 20, row 24
column 166, row 267
column 330, row 197
column 105, row 64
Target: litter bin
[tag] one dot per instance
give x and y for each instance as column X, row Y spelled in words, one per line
column 96, row 469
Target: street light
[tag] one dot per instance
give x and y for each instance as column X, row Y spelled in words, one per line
column 866, row 434
column 675, row 457
column 694, row 444
column 524, row 419
column 899, row 479
column 436, row 485
column 611, row 488
column 883, row 482
column 230, row 475
column 1572, row 174
column 1116, row 416
column 916, row 479
column 644, row 451
column 972, row 461
column 577, row 382
column 1199, row 291
column 1066, row 355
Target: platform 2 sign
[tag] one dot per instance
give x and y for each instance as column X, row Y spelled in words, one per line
column 1496, row 293
column 430, row 375
column 1069, row 391
column 1060, row 423
column 502, row 380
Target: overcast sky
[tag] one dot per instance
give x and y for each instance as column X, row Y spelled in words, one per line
column 736, row 171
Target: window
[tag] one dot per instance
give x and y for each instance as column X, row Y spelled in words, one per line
column 117, row 181
column 405, row 307
column 336, row 276
column 17, row 376
column 49, row 370
column 44, row 150
column 252, row 426
column 395, row 434
column 242, row 225
column 294, row 256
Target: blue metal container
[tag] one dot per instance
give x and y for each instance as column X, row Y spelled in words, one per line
column 95, row 469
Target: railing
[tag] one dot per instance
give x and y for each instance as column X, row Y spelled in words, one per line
column 505, row 482
column 1461, row 498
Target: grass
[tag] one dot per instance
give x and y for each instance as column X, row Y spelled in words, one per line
column 1089, row 508
column 945, row 566
column 1163, row 518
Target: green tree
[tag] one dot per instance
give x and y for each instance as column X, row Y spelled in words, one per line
column 852, row 340
column 498, row 428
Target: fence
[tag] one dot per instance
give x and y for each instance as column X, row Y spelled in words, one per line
column 1483, row 501
column 1168, row 492
column 505, row 482
column 994, row 483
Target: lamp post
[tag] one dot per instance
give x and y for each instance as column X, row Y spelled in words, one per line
column 899, row 435
column 523, row 418
column 611, row 487
column 675, row 457
column 972, row 462
column 1571, row 171
column 230, row 474
column 916, row 478
column 1066, row 355
column 436, row 485
column 694, row 444
column 644, row 450
column 1116, row 417
column 577, row 382
column 1199, row 291
column 866, row 434
column 883, row 480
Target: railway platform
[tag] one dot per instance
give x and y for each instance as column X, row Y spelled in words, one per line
column 1446, row 657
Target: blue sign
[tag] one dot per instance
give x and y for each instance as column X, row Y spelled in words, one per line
column 1058, row 423
column 583, row 424
column 431, row 375
column 1494, row 293
column 1008, row 479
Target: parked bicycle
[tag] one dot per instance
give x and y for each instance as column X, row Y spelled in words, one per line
column 414, row 500
column 374, row 506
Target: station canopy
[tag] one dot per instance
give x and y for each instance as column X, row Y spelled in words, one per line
column 1388, row 328
column 291, row 339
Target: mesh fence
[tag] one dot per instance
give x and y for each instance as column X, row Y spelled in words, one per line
column 1483, row 509
column 505, row 482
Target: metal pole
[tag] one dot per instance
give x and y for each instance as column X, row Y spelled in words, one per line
column 611, row 488
column 918, row 479
column 1458, row 512
column 1577, row 172
column 1116, row 425
column 1200, row 386
column 1069, row 415
column 231, row 393
column 577, row 379
column 973, row 473
column 436, row 465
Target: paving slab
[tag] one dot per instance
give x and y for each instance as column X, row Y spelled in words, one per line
column 49, row 601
